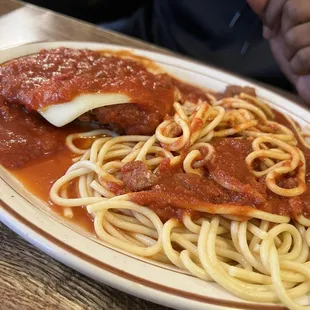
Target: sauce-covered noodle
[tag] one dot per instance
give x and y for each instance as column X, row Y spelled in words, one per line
column 215, row 184
column 220, row 190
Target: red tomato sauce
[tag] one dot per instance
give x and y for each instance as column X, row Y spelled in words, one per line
column 227, row 180
column 59, row 75
column 38, row 177
column 26, row 136
column 36, row 154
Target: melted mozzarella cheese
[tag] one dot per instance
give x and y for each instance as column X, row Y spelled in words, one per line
column 64, row 113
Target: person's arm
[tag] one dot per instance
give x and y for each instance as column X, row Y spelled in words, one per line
column 287, row 27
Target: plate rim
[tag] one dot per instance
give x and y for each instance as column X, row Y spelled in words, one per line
column 32, row 231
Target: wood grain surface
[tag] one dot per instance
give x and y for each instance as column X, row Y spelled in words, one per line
column 23, row 23
column 29, row 279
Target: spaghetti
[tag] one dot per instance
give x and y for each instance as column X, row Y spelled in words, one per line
column 245, row 226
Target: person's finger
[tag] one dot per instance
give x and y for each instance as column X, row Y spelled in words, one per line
column 295, row 12
column 273, row 14
column 300, row 63
column 277, row 46
column 296, row 39
column 303, row 87
column 258, row 6
column 268, row 33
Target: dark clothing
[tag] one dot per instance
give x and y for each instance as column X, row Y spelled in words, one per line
column 200, row 29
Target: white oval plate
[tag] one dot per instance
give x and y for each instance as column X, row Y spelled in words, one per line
column 34, row 221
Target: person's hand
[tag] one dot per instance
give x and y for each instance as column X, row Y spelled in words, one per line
column 287, row 27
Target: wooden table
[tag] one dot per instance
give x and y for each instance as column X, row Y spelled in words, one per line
column 29, row 279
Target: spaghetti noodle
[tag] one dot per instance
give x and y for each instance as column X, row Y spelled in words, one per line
column 165, row 197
